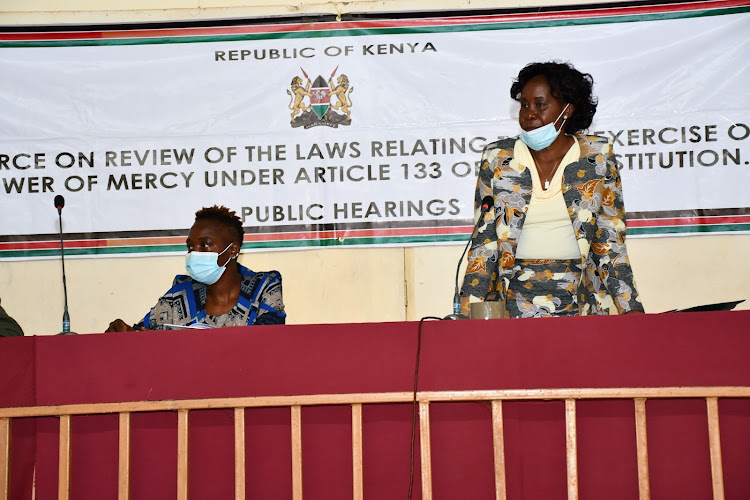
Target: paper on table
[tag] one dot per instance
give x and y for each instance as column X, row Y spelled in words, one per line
column 196, row 326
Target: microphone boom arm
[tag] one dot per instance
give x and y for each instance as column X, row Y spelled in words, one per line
column 66, row 316
column 59, row 204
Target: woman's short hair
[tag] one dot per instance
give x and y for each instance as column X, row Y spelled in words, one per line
column 224, row 216
column 567, row 84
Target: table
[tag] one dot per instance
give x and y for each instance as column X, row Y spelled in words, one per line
column 667, row 350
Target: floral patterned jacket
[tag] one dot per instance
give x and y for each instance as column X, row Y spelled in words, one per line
column 592, row 191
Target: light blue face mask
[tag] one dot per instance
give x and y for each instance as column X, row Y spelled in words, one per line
column 204, row 267
column 541, row 137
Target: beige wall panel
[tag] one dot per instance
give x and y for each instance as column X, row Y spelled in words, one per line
column 99, row 290
column 686, row 271
column 431, row 274
column 338, row 285
column 320, row 286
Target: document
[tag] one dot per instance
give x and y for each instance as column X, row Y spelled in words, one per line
column 194, row 326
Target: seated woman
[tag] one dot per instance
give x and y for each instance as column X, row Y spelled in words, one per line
column 218, row 291
column 553, row 244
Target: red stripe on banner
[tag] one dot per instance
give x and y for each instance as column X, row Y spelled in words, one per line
column 117, row 242
column 376, row 24
column 46, row 245
column 689, row 221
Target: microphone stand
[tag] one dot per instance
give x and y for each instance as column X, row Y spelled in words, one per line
column 487, row 202
column 66, row 317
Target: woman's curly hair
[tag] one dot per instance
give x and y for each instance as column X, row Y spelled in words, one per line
column 224, row 216
column 567, row 84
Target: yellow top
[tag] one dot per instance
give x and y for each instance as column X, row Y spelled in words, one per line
column 547, row 231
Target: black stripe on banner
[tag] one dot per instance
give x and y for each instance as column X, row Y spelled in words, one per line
column 696, row 212
column 318, row 18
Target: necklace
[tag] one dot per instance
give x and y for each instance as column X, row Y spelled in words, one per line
column 547, row 177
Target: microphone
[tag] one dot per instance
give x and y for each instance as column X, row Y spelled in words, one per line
column 487, row 202
column 59, row 204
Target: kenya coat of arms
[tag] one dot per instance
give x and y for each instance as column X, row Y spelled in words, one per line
column 320, row 102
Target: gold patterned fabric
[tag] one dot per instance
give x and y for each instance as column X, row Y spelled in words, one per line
column 543, row 288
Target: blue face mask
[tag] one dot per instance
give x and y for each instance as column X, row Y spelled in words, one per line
column 204, row 267
column 541, row 137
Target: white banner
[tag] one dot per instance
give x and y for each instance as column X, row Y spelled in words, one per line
column 354, row 133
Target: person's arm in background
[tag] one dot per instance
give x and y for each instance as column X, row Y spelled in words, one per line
column 8, row 326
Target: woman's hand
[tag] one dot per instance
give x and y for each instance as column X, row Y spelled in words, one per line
column 119, row 325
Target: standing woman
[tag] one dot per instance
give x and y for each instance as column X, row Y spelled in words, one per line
column 553, row 244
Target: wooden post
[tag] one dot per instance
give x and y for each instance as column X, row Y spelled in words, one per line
column 63, row 474
column 641, row 443
column 123, row 476
column 424, row 445
column 714, row 443
column 182, row 455
column 571, row 447
column 239, row 454
column 498, row 446
column 5, row 425
column 357, row 473
column 296, row 452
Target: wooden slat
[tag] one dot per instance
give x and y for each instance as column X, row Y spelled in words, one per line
column 239, row 454
column 714, row 443
column 498, row 446
column 63, row 474
column 571, row 447
column 387, row 397
column 123, row 476
column 296, row 452
column 5, row 427
column 182, row 455
column 424, row 445
column 644, row 488
column 357, row 473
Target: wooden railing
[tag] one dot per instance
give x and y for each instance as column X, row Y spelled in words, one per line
column 295, row 403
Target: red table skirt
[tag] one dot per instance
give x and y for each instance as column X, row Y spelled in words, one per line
column 670, row 350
